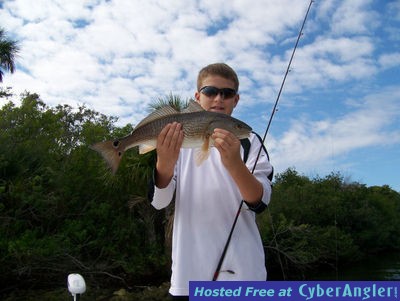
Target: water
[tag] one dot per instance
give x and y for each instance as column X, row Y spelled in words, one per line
column 383, row 267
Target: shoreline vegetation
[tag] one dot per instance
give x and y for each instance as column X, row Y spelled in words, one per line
column 62, row 211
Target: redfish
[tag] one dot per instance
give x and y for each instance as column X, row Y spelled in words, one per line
column 197, row 125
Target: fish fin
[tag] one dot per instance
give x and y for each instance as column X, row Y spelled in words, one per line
column 145, row 148
column 203, row 153
column 157, row 114
column 201, row 156
column 193, row 106
column 111, row 152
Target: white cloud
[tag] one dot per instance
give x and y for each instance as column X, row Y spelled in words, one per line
column 353, row 17
column 389, row 60
column 154, row 43
column 393, row 8
column 310, row 144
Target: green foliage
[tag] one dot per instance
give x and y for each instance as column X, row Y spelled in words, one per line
column 327, row 222
column 62, row 211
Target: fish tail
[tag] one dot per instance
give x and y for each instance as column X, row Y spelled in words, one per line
column 111, row 152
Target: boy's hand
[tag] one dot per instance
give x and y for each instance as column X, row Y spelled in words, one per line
column 169, row 142
column 228, row 146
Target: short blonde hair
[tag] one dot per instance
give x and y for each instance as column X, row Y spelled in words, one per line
column 220, row 69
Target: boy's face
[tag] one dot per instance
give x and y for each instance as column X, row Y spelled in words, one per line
column 217, row 103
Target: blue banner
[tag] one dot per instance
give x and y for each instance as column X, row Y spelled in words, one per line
column 294, row 290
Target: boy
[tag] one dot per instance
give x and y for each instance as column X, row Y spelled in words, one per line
column 208, row 196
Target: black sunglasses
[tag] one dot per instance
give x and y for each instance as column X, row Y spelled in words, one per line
column 211, row 91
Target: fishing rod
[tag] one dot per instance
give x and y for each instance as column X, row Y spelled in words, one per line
column 221, row 260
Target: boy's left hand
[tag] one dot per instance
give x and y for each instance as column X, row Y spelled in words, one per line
column 228, row 146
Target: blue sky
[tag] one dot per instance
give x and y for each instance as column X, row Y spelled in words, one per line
column 340, row 107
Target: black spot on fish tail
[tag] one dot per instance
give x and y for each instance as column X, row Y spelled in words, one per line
column 116, row 143
column 111, row 152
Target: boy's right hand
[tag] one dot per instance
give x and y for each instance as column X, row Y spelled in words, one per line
column 169, row 142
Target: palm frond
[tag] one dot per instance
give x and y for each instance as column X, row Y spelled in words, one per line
column 171, row 100
column 8, row 52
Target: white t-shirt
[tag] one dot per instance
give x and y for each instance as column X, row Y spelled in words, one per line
column 207, row 200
